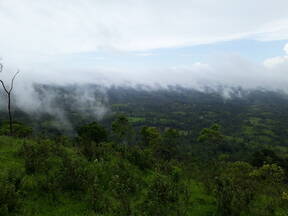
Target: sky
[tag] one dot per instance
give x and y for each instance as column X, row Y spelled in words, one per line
column 153, row 42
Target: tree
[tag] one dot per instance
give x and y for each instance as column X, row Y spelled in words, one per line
column 162, row 197
column 8, row 92
column 19, row 129
column 212, row 138
column 270, row 180
column 92, row 137
column 122, row 130
column 235, row 189
column 151, row 136
column 92, row 132
column 168, row 149
column 124, row 183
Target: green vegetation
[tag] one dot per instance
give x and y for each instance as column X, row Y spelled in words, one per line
column 183, row 159
column 101, row 173
column 136, row 119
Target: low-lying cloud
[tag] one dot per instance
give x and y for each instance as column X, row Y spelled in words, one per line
column 36, row 37
column 226, row 70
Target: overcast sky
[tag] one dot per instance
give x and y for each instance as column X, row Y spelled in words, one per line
column 188, row 42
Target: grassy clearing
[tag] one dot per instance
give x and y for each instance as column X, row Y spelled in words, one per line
column 136, row 119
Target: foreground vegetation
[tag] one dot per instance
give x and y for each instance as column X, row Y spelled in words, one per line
column 123, row 171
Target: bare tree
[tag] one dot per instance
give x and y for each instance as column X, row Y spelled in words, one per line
column 8, row 92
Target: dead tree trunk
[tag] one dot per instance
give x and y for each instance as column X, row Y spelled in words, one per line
column 8, row 92
column 10, row 115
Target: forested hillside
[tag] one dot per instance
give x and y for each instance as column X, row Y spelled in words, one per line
column 143, row 108
column 256, row 115
column 171, row 151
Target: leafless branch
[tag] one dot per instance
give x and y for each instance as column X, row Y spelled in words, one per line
column 12, row 81
column 4, row 87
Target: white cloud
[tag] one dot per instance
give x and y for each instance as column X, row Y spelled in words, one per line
column 286, row 48
column 144, row 54
column 279, row 61
column 32, row 28
column 35, row 33
column 276, row 61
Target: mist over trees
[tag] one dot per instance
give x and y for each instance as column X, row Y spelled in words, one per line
column 171, row 152
column 144, row 108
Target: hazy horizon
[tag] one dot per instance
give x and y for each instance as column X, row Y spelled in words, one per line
column 157, row 43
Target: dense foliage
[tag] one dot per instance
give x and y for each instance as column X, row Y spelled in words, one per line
column 224, row 160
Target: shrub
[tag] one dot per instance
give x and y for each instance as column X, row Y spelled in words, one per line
column 38, row 156
column 19, row 130
column 9, row 197
column 162, row 197
column 92, row 132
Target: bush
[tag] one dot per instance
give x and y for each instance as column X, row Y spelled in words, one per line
column 75, row 174
column 19, row 130
column 40, row 156
column 162, row 197
column 141, row 158
column 92, row 132
column 9, row 197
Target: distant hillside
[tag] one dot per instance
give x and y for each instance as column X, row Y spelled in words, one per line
column 257, row 114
